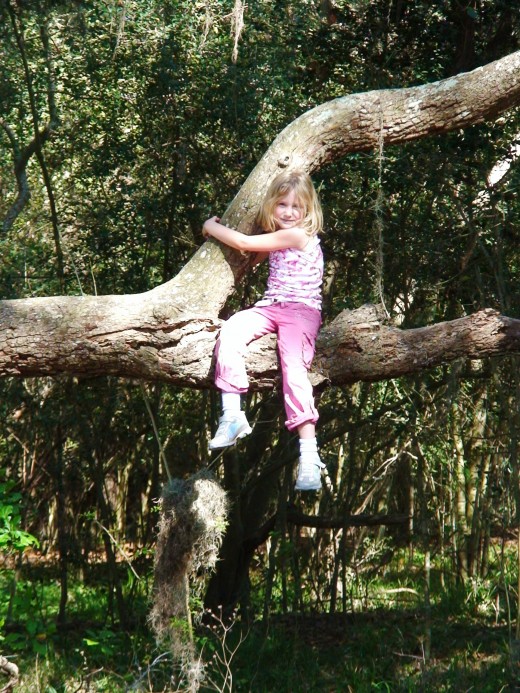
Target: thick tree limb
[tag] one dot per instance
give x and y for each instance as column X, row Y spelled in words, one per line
column 350, row 350
column 118, row 336
column 348, row 124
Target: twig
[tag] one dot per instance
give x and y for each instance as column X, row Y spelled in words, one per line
column 156, row 433
column 118, row 546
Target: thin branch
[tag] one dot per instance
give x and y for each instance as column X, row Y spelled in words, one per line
column 41, row 135
column 117, row 545
column 300, row 519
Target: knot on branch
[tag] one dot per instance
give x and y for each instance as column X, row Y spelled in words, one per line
column 284, row 161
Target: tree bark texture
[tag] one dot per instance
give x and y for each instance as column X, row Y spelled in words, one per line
column 169, row 332
column 87, row 342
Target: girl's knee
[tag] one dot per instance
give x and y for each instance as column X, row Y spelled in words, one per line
column 230, row 330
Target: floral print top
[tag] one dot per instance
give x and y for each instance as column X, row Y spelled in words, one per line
column 295, row 275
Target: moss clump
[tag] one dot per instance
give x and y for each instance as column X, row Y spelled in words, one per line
column 191, row 526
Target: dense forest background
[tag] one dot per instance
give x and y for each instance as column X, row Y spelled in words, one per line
column 123, row 125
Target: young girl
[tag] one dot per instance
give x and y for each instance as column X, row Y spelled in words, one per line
column 291, row 216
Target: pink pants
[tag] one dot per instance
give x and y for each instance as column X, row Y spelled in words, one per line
column 296, row 325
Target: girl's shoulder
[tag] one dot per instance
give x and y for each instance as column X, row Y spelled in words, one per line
column 313, row 241
column 308, row 239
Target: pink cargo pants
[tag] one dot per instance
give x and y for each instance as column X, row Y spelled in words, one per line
column 297, row 326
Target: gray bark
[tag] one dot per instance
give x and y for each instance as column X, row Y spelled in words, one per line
column 9, row 669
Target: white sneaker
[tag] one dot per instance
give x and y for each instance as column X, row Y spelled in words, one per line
column 231, row 427
column 309, row 473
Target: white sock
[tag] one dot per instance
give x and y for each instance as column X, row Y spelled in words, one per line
column 230, row 402
column 308, row 446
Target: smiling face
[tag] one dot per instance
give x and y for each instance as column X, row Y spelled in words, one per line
column 290, row 201
column 288, row 211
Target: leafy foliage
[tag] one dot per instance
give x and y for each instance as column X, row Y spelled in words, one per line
column 12, row 537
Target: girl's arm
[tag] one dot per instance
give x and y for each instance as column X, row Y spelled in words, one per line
column 278, row 240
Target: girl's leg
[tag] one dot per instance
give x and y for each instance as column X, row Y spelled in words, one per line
column 230, row 401
column 296, row 340
column 235, row 334
column 307, row 431
column 230, row 372
column 298, row 327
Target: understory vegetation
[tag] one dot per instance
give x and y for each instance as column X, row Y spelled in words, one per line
column 135, row 121
column 402, row 630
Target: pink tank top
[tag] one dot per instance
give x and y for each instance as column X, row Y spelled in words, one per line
column 295, row 275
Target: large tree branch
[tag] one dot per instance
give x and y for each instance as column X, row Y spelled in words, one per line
column 348, row 124
column 118, row 336
column 356, row 346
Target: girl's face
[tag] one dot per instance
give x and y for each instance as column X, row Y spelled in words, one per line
column 288, row 211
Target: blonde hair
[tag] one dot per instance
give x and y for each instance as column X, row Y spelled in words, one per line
column 305, row 193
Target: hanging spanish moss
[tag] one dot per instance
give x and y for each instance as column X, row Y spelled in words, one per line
column 191, row 526
column 379, row 223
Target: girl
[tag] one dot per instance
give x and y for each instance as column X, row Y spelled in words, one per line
column 291, row 216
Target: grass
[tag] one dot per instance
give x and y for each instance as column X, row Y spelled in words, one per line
column 461, row 643
column 366, row 652
column 381, row 650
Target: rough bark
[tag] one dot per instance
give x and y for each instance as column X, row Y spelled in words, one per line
column 354, row 348
column 357, row 346
column 168, row 333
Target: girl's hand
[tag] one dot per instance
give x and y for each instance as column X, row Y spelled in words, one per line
column 206, row 229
